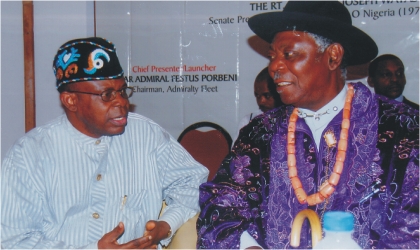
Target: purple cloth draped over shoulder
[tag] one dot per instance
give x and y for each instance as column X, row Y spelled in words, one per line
column 252, row 192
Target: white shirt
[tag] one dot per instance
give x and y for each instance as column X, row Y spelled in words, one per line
column 332, row 108
column 63, row 189
column 399, row 98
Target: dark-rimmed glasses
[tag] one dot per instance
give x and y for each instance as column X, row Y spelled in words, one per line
column 110, row 94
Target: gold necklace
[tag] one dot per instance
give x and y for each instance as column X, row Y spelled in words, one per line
column 328, row 187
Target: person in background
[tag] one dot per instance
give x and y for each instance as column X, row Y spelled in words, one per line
column 332, row 147
column 265, row 94
column 386, row 76
column 97, row 176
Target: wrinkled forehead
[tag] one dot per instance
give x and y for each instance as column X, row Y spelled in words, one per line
column 261, row 85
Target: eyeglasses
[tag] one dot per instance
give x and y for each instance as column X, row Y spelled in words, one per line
column 110, row 94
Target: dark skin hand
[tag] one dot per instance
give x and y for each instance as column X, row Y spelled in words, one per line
column 158, row 230
column 155, row 232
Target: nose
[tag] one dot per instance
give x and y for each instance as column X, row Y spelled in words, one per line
column 263, row 100
column 260, row 101
column 276, row 65
column 120, row 100
column 394, row 78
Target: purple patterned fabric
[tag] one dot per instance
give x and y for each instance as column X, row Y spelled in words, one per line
column 252, row 191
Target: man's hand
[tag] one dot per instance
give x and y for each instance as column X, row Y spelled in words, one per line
column 158, row 230
column 109, row 240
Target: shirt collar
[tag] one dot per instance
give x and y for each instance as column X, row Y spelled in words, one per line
column 329, row 111
column 326, row 113
column 84, row 139
column 399, row 98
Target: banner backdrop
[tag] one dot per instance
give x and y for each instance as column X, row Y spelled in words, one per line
column 192, row 61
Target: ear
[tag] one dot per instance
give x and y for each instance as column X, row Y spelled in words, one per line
column 370, row 82
column 69, row 101
column 335, row 54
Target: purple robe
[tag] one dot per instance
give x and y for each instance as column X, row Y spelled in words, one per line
column 252, row 191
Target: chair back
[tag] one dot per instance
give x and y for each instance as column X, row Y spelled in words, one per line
column 208, row 143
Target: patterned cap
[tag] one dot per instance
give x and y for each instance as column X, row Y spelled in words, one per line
column 86, row 59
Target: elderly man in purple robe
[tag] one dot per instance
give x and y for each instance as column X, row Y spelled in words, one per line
column 333, row 146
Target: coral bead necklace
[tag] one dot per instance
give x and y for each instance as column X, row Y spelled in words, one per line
column 328, row 187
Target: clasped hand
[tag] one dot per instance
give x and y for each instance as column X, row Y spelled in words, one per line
column 155, row 232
